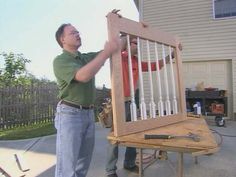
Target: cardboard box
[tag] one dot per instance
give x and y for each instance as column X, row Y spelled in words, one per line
column 217, row 108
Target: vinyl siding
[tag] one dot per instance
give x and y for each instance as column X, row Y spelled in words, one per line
column 234, row 83
column 203, row 37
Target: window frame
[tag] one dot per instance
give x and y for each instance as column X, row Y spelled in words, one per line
column 218, row 18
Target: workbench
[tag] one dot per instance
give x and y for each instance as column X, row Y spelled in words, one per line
column 206, row 145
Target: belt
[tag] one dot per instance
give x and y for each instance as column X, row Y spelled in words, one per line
column 76, row 106
column 127, row 98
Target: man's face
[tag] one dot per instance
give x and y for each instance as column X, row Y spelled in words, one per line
column 71, row 37
column 133, row 46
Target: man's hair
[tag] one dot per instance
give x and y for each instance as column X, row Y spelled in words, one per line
column 60, row 32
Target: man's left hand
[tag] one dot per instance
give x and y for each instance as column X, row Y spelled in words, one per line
column 115, row 11
column 180, row 47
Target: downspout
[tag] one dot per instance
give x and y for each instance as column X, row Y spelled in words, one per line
column 140, row 6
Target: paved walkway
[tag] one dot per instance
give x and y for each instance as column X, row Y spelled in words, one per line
column 38, row 154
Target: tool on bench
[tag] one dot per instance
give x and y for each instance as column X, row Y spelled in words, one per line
column 192, row 136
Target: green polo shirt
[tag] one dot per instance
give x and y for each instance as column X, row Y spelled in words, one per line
column 65, row 67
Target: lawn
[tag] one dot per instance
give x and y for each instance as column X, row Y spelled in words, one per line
column 26, row 132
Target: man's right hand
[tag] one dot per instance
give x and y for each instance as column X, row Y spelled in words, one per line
column 112, row 46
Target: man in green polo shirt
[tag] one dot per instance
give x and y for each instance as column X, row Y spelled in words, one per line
column 74, row 119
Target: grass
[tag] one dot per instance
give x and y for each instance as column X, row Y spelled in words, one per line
column 31, row 131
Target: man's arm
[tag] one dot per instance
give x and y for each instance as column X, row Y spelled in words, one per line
column 161, row 64
column 167, row 58
column 88, row 71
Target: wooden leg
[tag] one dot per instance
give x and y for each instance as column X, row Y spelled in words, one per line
column 180, row 165
column 196, row 160
column 140, row 162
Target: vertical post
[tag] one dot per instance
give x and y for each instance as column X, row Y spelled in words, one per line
column 140, row 162
column 152, row 103
column 160, row 102
column 142, row 101
column 182, row 102
column 167, row 102
column 133, row 108
column 180, row 164
column 117, row 90
column 174, row 101
column 195, row 160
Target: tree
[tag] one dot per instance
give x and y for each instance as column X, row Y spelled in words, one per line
column 14, row 71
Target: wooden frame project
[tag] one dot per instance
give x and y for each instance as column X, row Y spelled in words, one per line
column 170, row 114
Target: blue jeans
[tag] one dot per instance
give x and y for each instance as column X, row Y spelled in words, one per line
column 112, row 151
column 75, row 141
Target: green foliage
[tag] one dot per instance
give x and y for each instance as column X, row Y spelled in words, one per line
column 14, row 71
column 42, row 81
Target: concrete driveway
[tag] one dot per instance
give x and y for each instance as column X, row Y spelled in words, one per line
column 38, row 155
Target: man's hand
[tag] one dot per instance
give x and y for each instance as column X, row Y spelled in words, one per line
column 115, row 11
column 180, row 47
column 144, row 24
column 112, row 46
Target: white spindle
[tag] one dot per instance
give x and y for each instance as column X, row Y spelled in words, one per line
column 167, row 102
column 151, row 104
column 160, row 102
column 142, row 100
column 174, row 101
column 133, row 108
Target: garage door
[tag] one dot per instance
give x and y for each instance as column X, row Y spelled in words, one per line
column 217, row 74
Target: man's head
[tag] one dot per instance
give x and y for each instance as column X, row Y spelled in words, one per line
column 133, row 46
column 68, row 36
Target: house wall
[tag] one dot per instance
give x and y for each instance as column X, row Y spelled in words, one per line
column 234, row 84
column 203, row 37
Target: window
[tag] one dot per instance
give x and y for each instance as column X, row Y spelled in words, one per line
column 224, row 8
